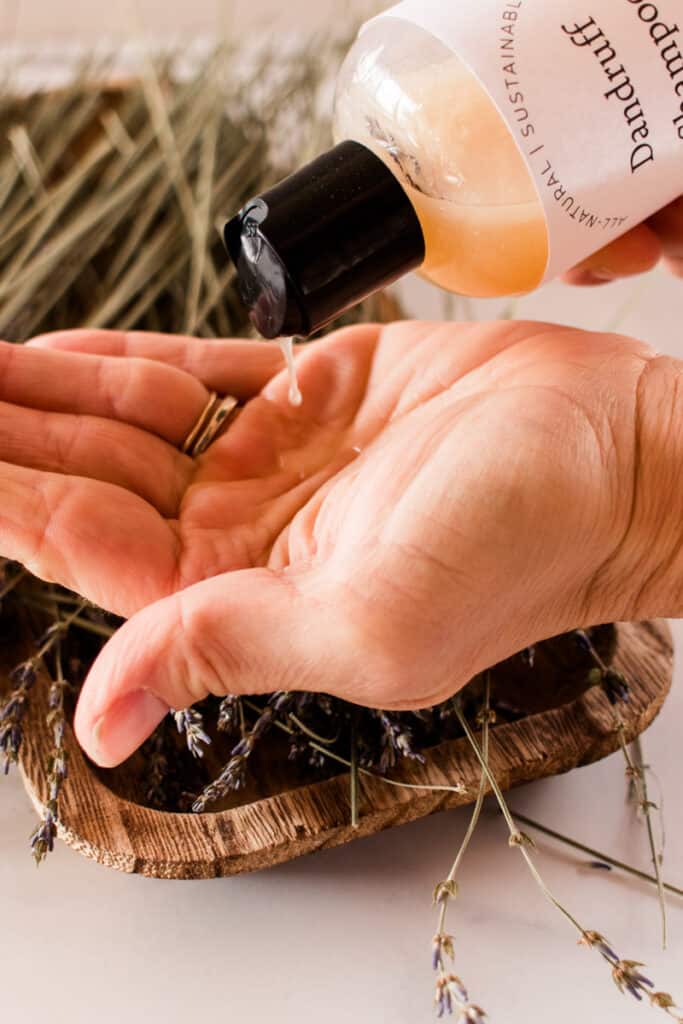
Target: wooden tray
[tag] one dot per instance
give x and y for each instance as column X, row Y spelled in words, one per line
column 258, row 834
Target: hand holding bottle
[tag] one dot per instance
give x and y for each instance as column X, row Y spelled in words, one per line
column 659, row 238
column 489, row 147
column 445, row 495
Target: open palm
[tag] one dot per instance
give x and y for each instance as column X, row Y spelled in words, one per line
column 444, row 495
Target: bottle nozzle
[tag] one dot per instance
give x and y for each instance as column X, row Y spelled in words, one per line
column 322, row 240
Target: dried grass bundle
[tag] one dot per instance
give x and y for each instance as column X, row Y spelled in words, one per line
column 110, row 195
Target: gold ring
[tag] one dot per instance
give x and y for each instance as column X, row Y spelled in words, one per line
column 215, row 416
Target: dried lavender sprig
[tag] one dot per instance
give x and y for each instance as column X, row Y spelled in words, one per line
column 230, row 714
column 620, row 968
column 457, row 787
column 58, row 628
column 43, row 837
column 397, row 741
column 231, row 779
column 14, row 708
column 625, row 973
column 233, row 775
column 450, row 991
column 616, row 689
column 451, row 996
column 190, row 723
column 628, row 977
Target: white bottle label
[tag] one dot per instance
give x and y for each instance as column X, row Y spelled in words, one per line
column 593, row 94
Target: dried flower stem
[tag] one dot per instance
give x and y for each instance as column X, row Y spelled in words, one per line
column 57, row 598
column 310, row 733
column 449, row 988
column 625, row 973
column 517, row 838
column 98, row 628
column 43, row 837
column 9, row 586
column 637, row 775
column 58, row 628
column 591, row 852
column 639, row 758
column 487, row 718
column 616, row 690
column 457, row 787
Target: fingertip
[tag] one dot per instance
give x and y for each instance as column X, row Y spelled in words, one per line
column 117, row 733
column 64, row 340
column 584, row 278
column 636, row 252
column 119, row 705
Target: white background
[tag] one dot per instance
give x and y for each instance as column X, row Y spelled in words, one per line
column 345, row 935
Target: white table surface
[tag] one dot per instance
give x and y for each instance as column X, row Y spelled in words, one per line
column 344, row 935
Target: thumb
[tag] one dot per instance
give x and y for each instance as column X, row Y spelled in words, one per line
column 252, row 631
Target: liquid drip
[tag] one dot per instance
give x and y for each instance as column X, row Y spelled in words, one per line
column 287, row 349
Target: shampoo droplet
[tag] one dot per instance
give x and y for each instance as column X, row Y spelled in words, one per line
column 287, row 349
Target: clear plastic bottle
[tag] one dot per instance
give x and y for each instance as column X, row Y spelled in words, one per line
column 406, row 96
column 488, row 172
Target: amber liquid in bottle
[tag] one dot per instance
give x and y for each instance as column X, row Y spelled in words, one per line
column 413, row 102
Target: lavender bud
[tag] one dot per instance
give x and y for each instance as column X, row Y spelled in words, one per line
column 244, row 747
column 473, row 1014
column 228, row 713
column 597, row 941
column 615, row 686
column 263, row 722
column 24, row 675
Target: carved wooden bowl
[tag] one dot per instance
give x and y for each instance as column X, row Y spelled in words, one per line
column 286, row 821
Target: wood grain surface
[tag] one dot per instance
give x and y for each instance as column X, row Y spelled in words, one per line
column 129, row 837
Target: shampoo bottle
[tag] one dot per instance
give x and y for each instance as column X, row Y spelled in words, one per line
column 488, row 144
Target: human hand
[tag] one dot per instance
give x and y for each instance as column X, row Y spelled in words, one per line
column 445, row 495
column 639, row 250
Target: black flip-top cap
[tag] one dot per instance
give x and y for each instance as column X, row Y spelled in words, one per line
column 321, row 240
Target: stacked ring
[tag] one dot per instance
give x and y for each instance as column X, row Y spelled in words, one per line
column 216, row 415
